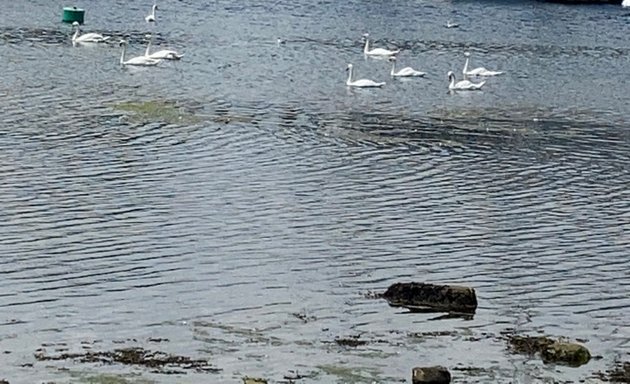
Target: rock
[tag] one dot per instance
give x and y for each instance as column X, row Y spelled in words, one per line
column 550, row 350
column 430, row 375
column 450, row 298
column 254, row 380
column 571, row 354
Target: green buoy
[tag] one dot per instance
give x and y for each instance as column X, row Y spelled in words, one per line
column 72, row 14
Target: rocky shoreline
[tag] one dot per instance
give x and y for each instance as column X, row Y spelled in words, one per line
column 423, row 297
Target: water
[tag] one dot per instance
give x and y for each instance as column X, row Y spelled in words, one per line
column 251, row 237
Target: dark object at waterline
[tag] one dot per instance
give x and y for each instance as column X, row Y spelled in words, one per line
column 72, row 14
column 570, row 354
column 430, row 375
column 584, row 1
column 551, row 351
column 449, row 298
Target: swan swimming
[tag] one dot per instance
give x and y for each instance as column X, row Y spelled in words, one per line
column 87, row 37
column 150, row 18
column 164, row 54
column 376, row 51
column 451, row 25
column 625, row 3
column 138, row 60
column 462, row 85
column 479, row 71
column 361, row 83
column 405, row 72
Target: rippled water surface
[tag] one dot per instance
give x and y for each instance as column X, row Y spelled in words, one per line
column 247, row 225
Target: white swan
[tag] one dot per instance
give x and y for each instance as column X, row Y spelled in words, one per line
column 479, row 71
column 405, row 72
column 138, row 60
column 451, row 25
column 87, row 37
column 362, row 83
column 376, row 51
column 462, row 85
column 625, row 3
column 150, row 18
column 164, row 54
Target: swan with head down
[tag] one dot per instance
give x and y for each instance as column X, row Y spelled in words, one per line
column 479, row 71
column 86, row 37
column 462, row 85
column 376, row 51
column 138, row 60
column 164, row 54
column 405, row 72
column 361, row 83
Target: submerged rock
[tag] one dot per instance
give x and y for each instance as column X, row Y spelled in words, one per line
column 450, row 298
column 430, row 375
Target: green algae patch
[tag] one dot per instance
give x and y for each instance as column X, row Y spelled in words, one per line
column 169, row 112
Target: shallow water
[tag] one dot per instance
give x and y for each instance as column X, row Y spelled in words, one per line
column 251, row 234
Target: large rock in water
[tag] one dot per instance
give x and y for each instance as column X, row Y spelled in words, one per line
column 449, row 298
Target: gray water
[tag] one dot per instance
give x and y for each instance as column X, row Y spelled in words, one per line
column 252, row 234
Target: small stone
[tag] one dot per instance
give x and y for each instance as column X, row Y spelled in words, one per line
column 430, row 375
column 254, row 380
column 571, row 354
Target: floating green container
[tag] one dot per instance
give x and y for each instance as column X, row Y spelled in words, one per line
column 72, row 14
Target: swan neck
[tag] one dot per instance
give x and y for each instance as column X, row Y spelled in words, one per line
column 146, row 53
column 466, row 66
column 451, row 78
column 366, row 49
column 349, row 76
column 76, row 34
column 393, row 67
column 122, row 55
